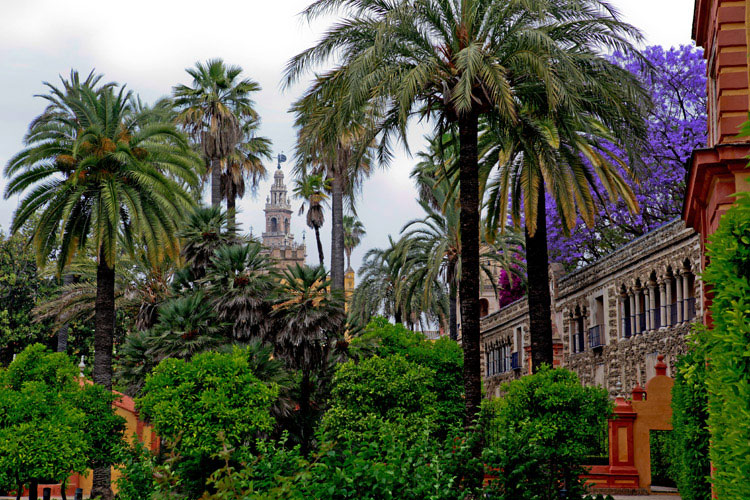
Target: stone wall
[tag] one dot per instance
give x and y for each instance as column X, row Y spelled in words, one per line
column 613, row 317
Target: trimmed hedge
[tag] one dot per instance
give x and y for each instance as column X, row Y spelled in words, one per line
column 690, row 438
column 728, row 352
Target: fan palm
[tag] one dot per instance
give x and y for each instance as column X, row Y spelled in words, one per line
column 239, row 283
column 244, row 162
column 204, row 230
column 212, row 110
column 309, row 322
column 354, row 231
column 187, row 325
column 457, row 61
column 312, row 189
column 95, row 170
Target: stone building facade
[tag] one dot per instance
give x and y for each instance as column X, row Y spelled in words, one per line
column 611, row 318
column 277, row 237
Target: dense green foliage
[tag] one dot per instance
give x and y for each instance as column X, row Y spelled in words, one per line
column 443, row 356
column 726, row 344
column 540, row 433
column 200, row 406
column 379, row 466
column 50, row 424
column 690, row 437
column 378, row 391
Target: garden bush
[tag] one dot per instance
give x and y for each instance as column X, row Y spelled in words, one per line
column 540, row 433
column 379, row 391
column 726, row 344
column 690, row 437
column 202, row 406
column 50, row 424
column 443, row 356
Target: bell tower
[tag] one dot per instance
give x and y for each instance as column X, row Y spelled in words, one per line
column 277, row 237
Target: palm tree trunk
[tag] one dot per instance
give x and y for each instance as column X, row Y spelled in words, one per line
column 337, row 222
column 453, row 297
column 469, row 279
column 62, row 333
column 215, row 182
column 104, row 324
column 320, row 247
column 537, row 263
column 231, row 204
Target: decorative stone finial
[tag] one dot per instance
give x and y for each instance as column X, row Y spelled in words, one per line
column 82, row 366
column 661, row 367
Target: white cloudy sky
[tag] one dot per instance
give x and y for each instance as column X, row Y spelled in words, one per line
column 148, row 44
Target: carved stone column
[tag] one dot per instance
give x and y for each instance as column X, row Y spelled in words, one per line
column 638, row 292
column 651, row 319
column 663, row 302
column 685, row 294
column 668, row 317
column 632, row 317
column 679, row 298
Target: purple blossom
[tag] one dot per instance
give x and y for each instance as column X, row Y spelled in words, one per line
column 676, row 126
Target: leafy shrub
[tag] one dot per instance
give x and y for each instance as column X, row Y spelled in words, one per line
column 690, row 437
column 540, row 433
column 443, row 356
column 728, row 375
column 50, row 424
column 204, row 405
column 136, row 481
column 378, row 391
column 381, row 466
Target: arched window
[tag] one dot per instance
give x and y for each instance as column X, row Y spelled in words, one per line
column 286, row 226
column 274, row 225
column 484, row 307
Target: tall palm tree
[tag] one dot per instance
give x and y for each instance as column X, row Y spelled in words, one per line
column 244, row 162
column 354, row 231
column 436, row 249
column 570, row 154
column 311, row 188
column 337, row 145
column 213, row 109
column 390, row 286
column 93, row 171
column 457, row 61
column 310, row 320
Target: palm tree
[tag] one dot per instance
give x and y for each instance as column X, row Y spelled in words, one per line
column 390, row 286
column 238, row 284
column 312, row 189
column 187, row 326
column 95, row 171
column 460, row 60
column 204, row 231
column 336, row 145
column 213, row 109
column 354, row 231
column 436, row 249
column 245, row 161
column 309, row 322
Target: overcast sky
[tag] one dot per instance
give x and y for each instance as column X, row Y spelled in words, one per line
column 148, row 45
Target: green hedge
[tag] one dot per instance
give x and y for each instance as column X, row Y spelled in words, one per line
column 690, row 438
column 728, row 351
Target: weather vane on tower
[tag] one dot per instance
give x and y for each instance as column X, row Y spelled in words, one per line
column 282, row 158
